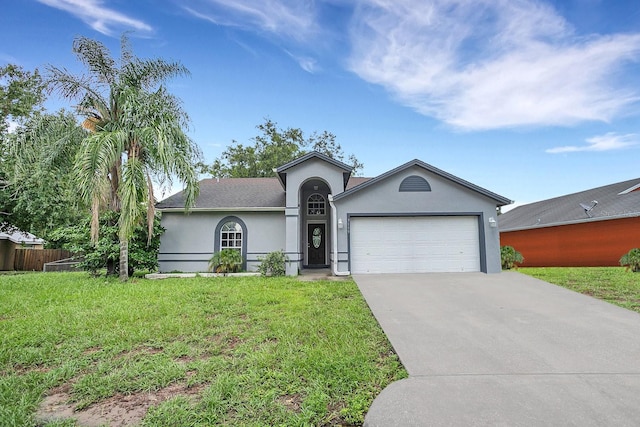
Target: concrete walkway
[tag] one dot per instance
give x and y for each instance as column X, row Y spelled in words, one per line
column 503, row 350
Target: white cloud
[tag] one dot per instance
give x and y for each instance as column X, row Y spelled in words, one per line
column 308, row 64
column 97, row 16
column 293, row 19
column 606, row 142
column 490, row 64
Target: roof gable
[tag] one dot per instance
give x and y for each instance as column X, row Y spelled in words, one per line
column 613, row 201
column 282, row 170
column 501, row 201
column 316, row 155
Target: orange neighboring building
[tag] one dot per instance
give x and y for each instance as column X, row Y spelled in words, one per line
column 586, row 229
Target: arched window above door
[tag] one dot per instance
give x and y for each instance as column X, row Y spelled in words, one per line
column 316, row 205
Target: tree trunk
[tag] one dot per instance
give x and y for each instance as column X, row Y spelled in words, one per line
column 124, row 260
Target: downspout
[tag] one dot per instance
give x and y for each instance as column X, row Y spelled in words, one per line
column 334, row 239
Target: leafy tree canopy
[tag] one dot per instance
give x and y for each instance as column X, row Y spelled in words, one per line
column 39, row 194
column 275, row 147
column 21, row 92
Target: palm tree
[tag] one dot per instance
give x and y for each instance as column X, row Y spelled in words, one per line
column 136, row 135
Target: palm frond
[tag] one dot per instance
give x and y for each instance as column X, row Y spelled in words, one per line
column 94, row 163
column 133, row 195
column 148, row 74
column 126, row 53
column 81, row 88
column 97, row 58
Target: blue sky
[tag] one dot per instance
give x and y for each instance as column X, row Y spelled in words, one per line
column 529, row 99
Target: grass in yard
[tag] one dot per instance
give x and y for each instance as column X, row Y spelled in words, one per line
column 613, row 284
column 188, row 352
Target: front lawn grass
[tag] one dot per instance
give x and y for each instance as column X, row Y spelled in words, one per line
column 203, row 351
column 613, row 284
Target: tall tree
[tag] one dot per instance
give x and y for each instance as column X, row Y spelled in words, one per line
column 274, row 147
column 39, row 192
column 136, row 138
column 21, row 94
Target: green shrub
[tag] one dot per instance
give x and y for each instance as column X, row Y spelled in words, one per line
column 273, row 264
column 105, row 253
column 510, row 257
column 226, row 261
column 632, row 260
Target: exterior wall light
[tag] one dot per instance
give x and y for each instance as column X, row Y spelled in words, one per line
column 492, row 222
column 340, row 224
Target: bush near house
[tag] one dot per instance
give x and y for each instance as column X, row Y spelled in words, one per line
column 105, row 253
column 274, row 264
column 631, row 260
column 226, row 261
column 510, row 257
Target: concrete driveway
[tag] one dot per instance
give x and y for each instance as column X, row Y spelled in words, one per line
column 503, row 350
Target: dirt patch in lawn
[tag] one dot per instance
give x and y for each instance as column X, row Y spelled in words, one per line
column 117, row 411
column 292, row 402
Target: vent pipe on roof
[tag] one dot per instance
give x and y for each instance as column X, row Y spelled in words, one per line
column 587, row 208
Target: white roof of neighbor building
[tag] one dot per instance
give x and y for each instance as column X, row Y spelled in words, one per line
column 21, row 237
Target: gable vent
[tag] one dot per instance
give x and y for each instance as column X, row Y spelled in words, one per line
column 414, row 183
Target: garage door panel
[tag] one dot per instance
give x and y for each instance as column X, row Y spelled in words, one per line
column 414, row 244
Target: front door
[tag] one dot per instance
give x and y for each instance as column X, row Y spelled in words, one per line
column 316, row 239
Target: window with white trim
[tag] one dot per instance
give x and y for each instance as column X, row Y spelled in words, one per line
column 231, row 236
column 315, row 205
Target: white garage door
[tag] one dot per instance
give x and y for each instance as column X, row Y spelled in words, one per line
column 414, row 244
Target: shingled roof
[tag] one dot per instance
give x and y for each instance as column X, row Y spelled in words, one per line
column 232, row 193
column 617, row 200
column 239, row 193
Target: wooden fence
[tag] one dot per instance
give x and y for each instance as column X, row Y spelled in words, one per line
column 34, row 259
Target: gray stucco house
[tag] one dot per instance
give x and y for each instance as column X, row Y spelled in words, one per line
column 414, row 218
